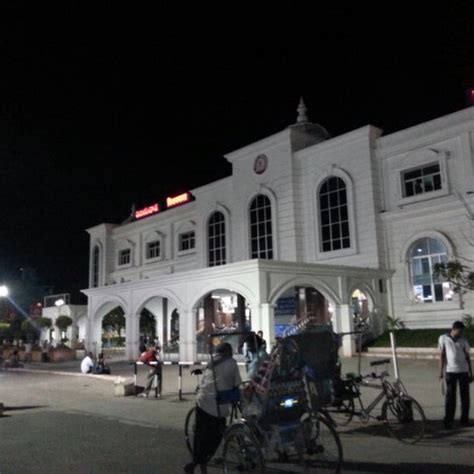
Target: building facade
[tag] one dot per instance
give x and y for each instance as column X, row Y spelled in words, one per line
column 306, row 225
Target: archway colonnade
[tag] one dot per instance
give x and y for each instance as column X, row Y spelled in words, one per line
column 256, row 294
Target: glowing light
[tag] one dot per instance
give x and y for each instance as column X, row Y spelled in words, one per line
column 3, row 291
column 289, row 402
column 175, row 200
column 146, row 211
column 59, row 302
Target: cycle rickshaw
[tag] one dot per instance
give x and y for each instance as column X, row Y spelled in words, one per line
column 283, row 408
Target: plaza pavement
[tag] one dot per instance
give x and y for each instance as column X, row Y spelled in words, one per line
column 74, row 424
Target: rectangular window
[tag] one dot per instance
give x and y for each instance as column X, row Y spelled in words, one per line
column 421, row 180
column 186, row 241
column 124, row 257
column 153, row 249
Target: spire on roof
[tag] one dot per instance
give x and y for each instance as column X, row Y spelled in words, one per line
column 302, row 112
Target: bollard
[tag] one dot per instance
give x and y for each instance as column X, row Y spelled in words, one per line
column 394, row 355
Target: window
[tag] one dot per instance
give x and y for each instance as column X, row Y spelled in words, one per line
column 334, row 216
column 153, row 249
column 261, row 240
column 424, row 255
column 186, row 241
column 216, row 240
column 95, row 267
column 421, row 180
column 124, row 257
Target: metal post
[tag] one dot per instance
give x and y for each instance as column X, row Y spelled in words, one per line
column 394, row 355
column 180, row 381
column 135, row 374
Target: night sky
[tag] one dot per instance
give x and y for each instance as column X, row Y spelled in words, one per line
column 102, row 107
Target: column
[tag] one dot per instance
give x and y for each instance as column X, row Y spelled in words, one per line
column 187, row 335
column 346, row 324
column 132, row 336
column 160, row 315
column 267, row 323
column 73, row 335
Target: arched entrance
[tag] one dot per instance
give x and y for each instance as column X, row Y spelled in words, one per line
column 299, row 303
column 221, row 310
column 107, row 331
column 159, row 324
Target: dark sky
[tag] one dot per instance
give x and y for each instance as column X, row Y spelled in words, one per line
column 102, row 107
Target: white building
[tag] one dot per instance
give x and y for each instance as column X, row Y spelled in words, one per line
column 306, row 223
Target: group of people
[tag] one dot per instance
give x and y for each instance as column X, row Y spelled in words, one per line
column 90, row 366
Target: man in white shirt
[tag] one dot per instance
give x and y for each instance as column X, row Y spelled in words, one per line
column 87, row 364
column 455, row 359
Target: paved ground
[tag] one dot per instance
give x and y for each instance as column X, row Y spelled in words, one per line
column 66, row 424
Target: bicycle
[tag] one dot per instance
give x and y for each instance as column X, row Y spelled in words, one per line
column 403, row 415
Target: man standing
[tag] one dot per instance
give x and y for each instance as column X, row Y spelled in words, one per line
column 455, row 359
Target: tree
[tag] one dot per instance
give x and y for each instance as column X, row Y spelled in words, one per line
column 63, row 322
column 115, row 319
column 460, row 276
column 45, row 323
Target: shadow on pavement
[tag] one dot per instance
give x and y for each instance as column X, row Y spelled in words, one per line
column 435, row 434
column 421, row 468
column 24, row 407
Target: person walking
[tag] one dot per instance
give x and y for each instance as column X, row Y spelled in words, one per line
column 455, row 367
column 222, row 374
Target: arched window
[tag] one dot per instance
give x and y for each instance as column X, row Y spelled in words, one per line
column 334, row 216
column 95, row 267
column 424, row 254
column 216, row 239
column 261, row 239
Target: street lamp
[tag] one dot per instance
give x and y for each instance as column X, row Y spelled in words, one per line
column 3, row 291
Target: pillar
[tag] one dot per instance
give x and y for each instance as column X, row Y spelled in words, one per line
column 346, row 324
column 132, row 336
column 267, row 323
column 187, row 335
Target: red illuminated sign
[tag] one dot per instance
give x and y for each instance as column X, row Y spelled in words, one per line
column 147, row 211
column 180, row 199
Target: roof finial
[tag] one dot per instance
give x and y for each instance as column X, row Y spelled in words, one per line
column 302, row 112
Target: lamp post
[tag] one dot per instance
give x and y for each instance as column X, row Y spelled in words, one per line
column 58, row 304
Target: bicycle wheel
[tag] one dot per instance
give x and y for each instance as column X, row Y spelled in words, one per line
column 343, row 412
column 242, row 451
column 405, row 418
column 189, row 429
column 322, row 443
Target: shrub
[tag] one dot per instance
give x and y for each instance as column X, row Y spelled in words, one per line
column 63, row 322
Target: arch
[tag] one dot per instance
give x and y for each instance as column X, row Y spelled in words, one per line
column 162, row 293
column 334, row 172
column 319, row 285
column 365, row 288
column 434, row 234
column 109, row 302
column 232, row 285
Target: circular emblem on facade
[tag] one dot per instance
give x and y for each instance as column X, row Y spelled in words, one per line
column 260, row 164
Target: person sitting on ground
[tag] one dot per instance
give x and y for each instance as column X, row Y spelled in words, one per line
column 151, row 358
column 87, row 364
column 14, row 361
column 222, row 372
column 101, row 367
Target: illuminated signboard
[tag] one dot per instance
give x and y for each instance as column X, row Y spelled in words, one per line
column 147, row 211
column 171, row 201
column 180, row 199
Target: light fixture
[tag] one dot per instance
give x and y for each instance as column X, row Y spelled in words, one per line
column 3, row 291
column 59, row 302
